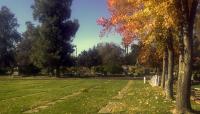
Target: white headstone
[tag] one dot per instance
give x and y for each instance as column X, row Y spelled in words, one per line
column 144, row 80
column 155, row 80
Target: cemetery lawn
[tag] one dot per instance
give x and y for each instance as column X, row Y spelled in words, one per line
column 81, row 96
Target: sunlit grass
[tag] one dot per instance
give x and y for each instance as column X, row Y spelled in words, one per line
column 17, row 96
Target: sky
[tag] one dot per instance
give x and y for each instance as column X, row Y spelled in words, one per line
column 86, row 11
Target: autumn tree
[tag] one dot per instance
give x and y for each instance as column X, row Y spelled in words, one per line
column 140, row 16
column 143, row 21
column 149, row 56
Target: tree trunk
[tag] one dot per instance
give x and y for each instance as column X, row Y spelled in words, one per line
column 169, row 82
column 50, row 72
column 127, row 49
column 184, row 81
column 164, row 72
column 58, row 71
column 183, row 104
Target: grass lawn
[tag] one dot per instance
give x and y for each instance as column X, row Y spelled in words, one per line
column 81, row 96
column 196, row 106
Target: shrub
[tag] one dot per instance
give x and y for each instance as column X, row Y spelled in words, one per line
column 113, row 69
column 137, row 71
column 99, row 69
column 29, row 70
column 196, row 76
column 3, row 71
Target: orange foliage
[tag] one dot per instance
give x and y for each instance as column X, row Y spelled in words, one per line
column 142, row 20
column 120, row 11
column 150, row 56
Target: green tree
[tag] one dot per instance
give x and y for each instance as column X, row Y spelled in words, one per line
column 9, row 37
column 56, row 33
column 24, row 51
column 89, row 58
column 132, row 57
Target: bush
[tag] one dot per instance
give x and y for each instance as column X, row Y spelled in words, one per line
column 70, row 70
column 136, row 74
column 84, row 70
column 196, row 76
column 29, row 70
column 113, row 69
column 138, row 71
column 108, row 69
column 3, row 71
column 99, row 69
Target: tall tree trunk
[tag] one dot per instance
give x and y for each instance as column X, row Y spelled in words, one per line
column 57, row 71
column 180, row 89
column 51, row 71
column 127, row 49
column 164, row 70
column 183, row 104
column 169, row 82
column 184, row 81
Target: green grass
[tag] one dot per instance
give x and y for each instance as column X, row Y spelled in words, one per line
column 147, row 100
column 196, row 86
column 17, row 96
column 195, row 105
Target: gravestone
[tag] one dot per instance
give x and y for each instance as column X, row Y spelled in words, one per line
column 15, row 72
column 155, row 80
column 144, row 80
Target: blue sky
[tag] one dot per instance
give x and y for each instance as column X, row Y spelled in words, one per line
column 86, row 11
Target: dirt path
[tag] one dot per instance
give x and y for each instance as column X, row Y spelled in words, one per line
column 123, row 91
column 113, row 106
column 48, row 104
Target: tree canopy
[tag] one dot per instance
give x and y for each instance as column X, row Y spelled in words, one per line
column 9, row 38
column 56, row 33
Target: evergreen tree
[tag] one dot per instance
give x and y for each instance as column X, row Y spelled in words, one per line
column 56, row 33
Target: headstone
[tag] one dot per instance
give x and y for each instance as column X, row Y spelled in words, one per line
column 144, row 80
column 155, row 80
column 16, row 72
